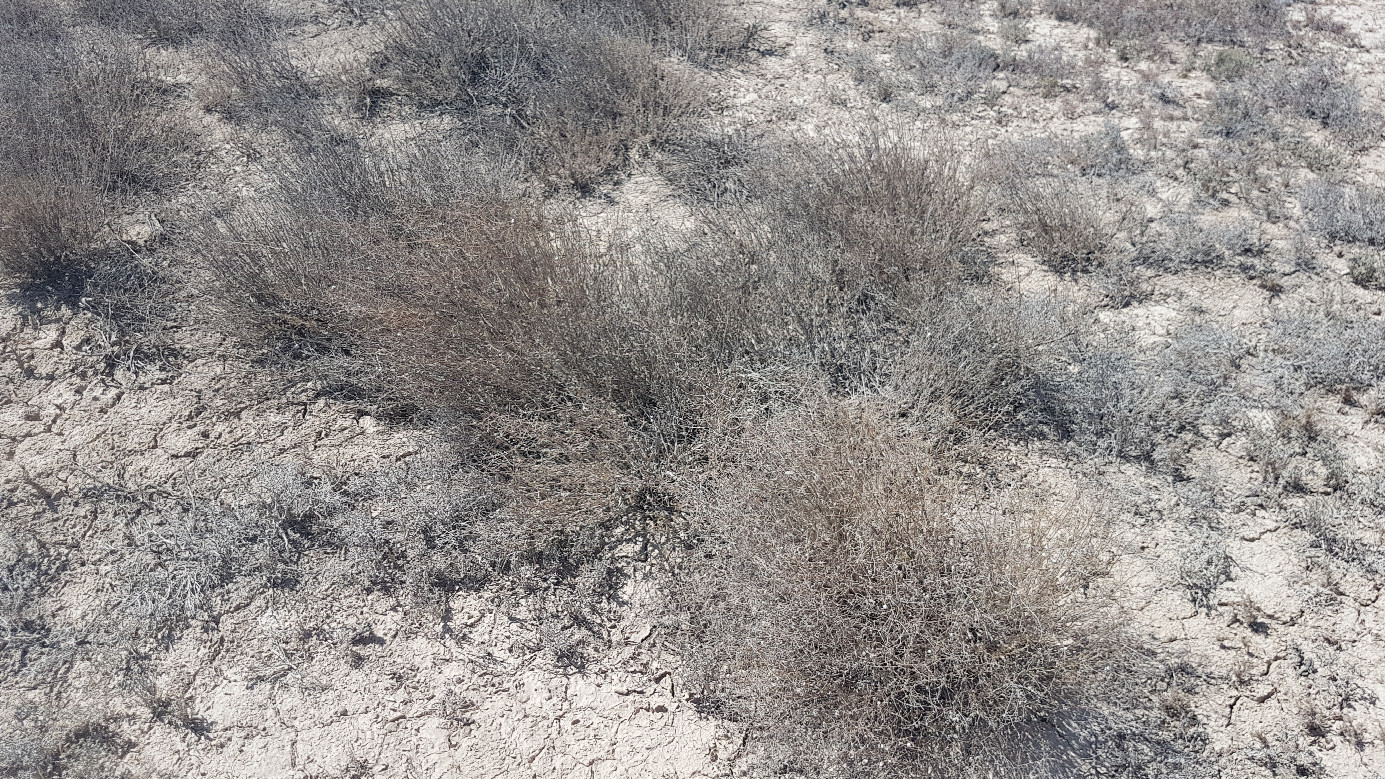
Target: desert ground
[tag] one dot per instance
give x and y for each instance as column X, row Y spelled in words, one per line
column 692, row 388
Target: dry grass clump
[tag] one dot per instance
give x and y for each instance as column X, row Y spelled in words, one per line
column 1340, row 525
column 1367, row 268
column 255, row 85
column 1323, row 91
column 88, row 139
column 171, row 21
column 858, row 604
column 575, row 88
column 1069, row 199
column 1072, row 223
column 895, row 210
column 709, row 167
column 1143, row 22
column 1354, row 216
column 1184, row 240
column 1247, row 107
column 1146, row 404
column 954, row 66
column 1230, row 64
column 1332, row 347
column 1347, row 214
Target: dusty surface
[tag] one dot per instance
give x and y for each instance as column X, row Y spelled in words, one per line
column 1281, row 645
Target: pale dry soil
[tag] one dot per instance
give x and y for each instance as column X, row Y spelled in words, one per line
column 1288, row 651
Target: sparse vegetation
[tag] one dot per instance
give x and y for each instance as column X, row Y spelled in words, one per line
column 1367, row 268
column 1348, row 214
column 952, row 66
column 1071, row 223
column 1143, row 22
column 800, row 380
column 857, row 591
column 593, row 84
column 88, row 138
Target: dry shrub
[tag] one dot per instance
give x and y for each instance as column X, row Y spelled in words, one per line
column 1347, row 214
column 1143, row 22
column 895, row 209
column 1340, row 525
column 1183, row 240
column 1042, row 67
column 1367, row 268
column 860, row 606
column 861, row 262
column 1146, row 404
column 88, row 138
column 1332, row 346
column 954, row 66
column 709, row 167
column 254, row 83
column 1322, row 90
column 873, row 218
column 474, row 282
column 1246, row 107
column 576, row 89
column 170, row 21
column 1230, row 64
column 472, row 302
column 1070, row 198
column 404, row 283
column 1071, row 222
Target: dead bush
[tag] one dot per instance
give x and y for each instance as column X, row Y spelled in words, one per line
column 709, row 167
column 1144, row 22
column 953, row 66
column 1367, row 268
column 171, row 21
column 1347, row 214
column 322, row 284
column 470, row 303
column 895, row 210
column 1182, row 240
column 29, row 568
column 1322, row 90
column 859, row 605
column 254, row 83
column 1069, row 197
column 591, row 88
column 1146, row 405
column 861, row 261
column 1245, row 108
column 1044, row 68
column 1331, row 346
column 88, row 139
column 1229, row 64
column 1071, row 222
column 1203, row 567
column 1239, row 112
